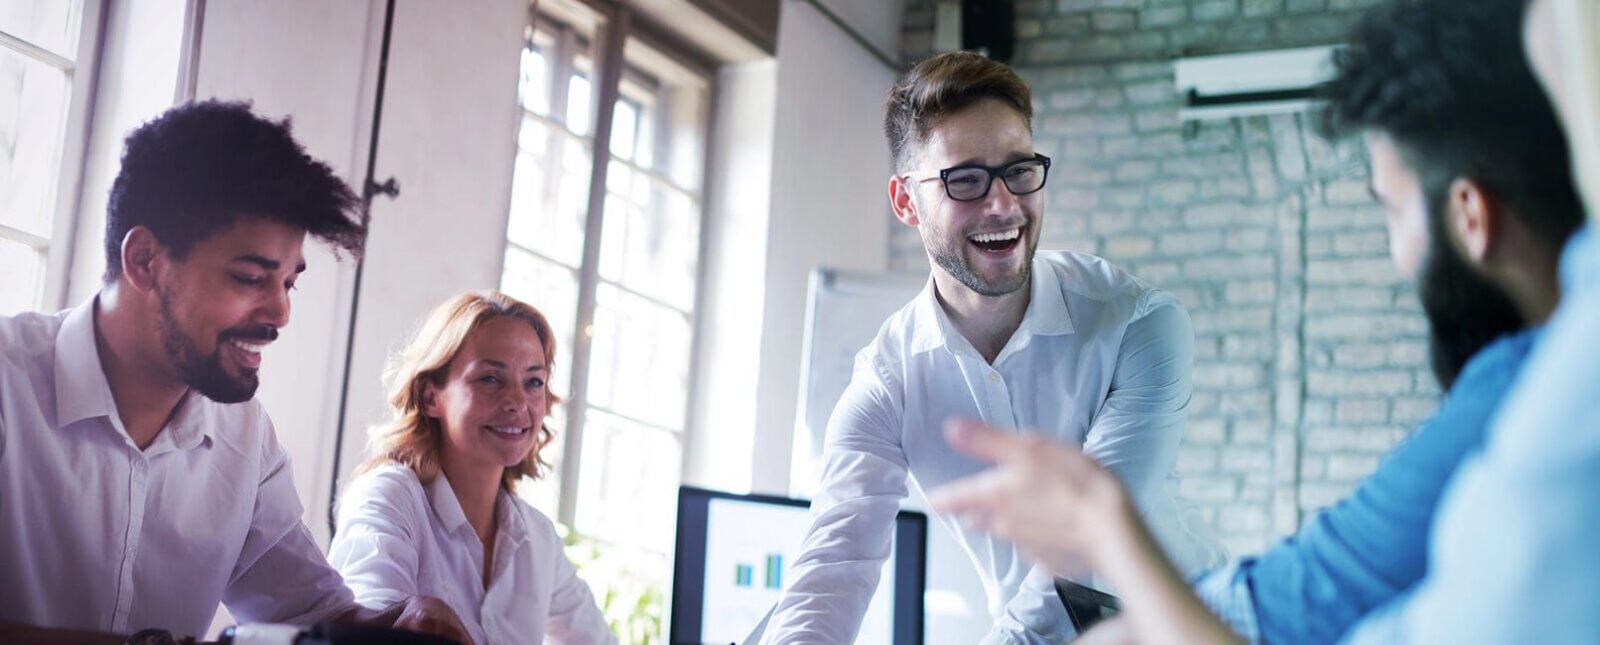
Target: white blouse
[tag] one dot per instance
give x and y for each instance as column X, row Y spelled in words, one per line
column 398, row 537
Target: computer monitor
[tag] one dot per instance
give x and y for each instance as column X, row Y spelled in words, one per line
column 732, row 566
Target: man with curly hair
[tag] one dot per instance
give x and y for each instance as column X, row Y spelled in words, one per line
column 140, row 482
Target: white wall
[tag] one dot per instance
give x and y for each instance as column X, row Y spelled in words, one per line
column 721, row 443
column 830, row 170
column 449, row 137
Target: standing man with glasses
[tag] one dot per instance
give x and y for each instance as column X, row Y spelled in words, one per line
column 1061, row 343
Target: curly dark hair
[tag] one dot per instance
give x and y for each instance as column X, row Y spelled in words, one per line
column 1447, row 81
column 193, row 171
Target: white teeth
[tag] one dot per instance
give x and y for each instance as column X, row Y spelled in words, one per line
column 507, row 429
column 1003, row 236
column 253, row 348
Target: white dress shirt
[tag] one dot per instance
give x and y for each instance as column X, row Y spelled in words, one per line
column 1100, row 360
column 97, row 534
column 397, row 537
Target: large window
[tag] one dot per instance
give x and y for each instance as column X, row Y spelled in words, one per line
column 609, row 249
column 43, row 93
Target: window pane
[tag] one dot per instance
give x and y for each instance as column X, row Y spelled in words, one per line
column 578, row 104
column 545, row 493
column 553, row 290
column 624, row 125
column 639, row 363
column 549, row 203
column 33, row 112
column 534, row 88
column 629, row 481
column 51, row 24
column 651, row 240
column 21, row 277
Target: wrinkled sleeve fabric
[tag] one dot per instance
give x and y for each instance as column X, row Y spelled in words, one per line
column 281, row 575
column 1140, row 424
column 375, row 547
column 863, row 482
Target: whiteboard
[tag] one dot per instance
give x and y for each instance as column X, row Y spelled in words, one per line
column 844, row 310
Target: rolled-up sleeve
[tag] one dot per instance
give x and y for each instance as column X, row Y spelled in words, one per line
column 863, row 482
column 281, row 576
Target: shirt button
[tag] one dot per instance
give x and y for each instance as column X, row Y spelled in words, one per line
column 994, row 376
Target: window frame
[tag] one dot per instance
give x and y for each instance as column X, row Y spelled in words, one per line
column 83, row 73
column 608, row 71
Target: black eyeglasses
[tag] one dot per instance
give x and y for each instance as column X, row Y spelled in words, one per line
column 971, row 182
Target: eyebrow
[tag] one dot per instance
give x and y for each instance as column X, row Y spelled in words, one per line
column 267, row 263
column 975, row 161
column 494, row 363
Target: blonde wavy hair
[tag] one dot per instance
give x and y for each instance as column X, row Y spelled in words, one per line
column 411, row 437
column 1578, row 31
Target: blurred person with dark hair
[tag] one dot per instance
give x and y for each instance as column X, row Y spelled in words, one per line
column 1470, row 165
column 1063, row 343
column 140, row 482
column 1514, row 543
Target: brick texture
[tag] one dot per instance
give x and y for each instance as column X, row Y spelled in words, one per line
column 1311, row 351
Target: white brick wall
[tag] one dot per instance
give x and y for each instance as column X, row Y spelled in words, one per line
column 1311, row 355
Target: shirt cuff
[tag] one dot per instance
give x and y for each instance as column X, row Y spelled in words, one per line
column 1226, row 591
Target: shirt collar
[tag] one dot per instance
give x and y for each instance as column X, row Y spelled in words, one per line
column 82, row 391
column 445, row 504
column 1046, row 315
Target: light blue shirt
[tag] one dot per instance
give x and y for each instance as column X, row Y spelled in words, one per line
column 1516, row 547
column 1372, row 546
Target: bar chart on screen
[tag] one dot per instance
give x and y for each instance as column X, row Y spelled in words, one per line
column 744, row 574
column 750, row 548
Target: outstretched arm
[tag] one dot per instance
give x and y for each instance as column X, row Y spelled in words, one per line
column 1071, row 515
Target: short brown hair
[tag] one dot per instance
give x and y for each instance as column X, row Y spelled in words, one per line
column 940, row 86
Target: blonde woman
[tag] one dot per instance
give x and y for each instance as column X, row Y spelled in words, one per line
column 432, row 511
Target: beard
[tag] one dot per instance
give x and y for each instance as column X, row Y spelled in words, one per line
column 1465, row 311
column 953, row 259
column 202, row 372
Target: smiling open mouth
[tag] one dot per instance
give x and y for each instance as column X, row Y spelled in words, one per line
column 997, row 242
column 507, row 431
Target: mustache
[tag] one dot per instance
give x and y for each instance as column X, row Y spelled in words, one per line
column 266, row 333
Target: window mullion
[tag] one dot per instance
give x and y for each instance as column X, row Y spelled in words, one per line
column 609, row 71
column 74, row 156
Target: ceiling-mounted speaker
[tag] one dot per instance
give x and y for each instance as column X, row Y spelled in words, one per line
column 989, row 26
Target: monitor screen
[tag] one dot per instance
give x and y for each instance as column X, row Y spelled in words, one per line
column 733, row 563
